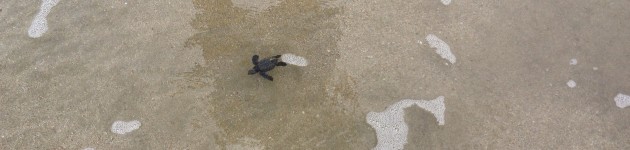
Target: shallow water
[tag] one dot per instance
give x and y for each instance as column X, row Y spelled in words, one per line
column 180, row 69
column 305, row 107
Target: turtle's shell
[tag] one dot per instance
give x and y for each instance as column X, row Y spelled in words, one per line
column 266, row 64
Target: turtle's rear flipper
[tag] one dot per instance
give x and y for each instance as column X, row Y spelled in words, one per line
column 281, row 64
column 266, row 76
column 255, row 59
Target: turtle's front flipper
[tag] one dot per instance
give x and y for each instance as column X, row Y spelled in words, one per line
column 266, row 76
column 277, row 56
column 255, row 59
column 252, row 71
column 281, row 64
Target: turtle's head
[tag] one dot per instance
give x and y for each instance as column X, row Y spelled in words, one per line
column 252, row 71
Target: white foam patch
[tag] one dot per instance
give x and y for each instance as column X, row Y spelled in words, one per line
column 39, row 26
column 446, row 2
column 571, row 84
column 121, row 127
column 390, row 126
column 89, row 148
column 622, row 100
column 573, row 61
column 441, row 48
column 294, row 60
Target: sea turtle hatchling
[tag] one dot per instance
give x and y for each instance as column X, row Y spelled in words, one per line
column 267, row 64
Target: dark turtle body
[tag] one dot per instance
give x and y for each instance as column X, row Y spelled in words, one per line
column 267, row 64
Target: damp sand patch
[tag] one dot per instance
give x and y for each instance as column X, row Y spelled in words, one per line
column 256, row 6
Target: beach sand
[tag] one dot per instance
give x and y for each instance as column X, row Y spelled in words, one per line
column 180, row 69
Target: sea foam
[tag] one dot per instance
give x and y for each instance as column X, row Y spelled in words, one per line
column 442, row 48
column 39, row 26
column 294, row 59
column 390, row 126
column 122, row 127
column 622, row 100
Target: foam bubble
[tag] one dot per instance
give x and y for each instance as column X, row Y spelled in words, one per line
column 441, row 48
column 39, row 26
column 121, row 127
column 294, row 60
column 622, row 100
column 446, row 2
column 390, row 126
column 573, row 61
column 571, row 84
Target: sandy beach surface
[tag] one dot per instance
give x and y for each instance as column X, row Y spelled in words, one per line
column 513, row 74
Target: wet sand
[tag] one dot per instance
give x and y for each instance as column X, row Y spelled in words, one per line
column 180, row 69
